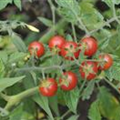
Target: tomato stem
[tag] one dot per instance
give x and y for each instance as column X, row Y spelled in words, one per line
column 65, row 114
column 4, row 96
column 53, row 10
column 14, row 100
column 74, row 32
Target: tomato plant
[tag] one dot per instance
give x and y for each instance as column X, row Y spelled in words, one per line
column 68, row 81
column 58, row 57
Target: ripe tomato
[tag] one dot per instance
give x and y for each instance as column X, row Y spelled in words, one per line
column 48, row 87
column 68, row 48
column 56, row 43
column 36, row 48
column 88, row 70
column 107, row 61
column 90, row 45
column 69, row 81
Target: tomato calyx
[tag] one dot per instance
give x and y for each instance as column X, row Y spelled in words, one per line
column 88, row 69
column 55, row 50
column 45, row 83
column 34, row 51
column 64, row 81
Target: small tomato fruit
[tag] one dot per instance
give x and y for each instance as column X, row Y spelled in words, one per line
column 48, row 87
column 90, row 45
column 88, row 70
column 107, row 61
column 56, row 43
column 69, row 49
column 68, row 81
column 36, row 48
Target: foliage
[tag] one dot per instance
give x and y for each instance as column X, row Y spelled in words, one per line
column 21, row 73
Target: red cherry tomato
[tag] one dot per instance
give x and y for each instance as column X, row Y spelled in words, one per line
column 90, row 45
column 48, row 87
column 88, row 70
column 68, row 48
column 69, row 81
column 36, row 48
column 56, row 43
column 107, row 61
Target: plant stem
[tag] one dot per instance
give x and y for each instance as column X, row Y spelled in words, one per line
column 66, row 113
column 105, row 23
column 53, row 11
column 82, row 86
column 74, row 32
column 14, row 100
column 44, row 68
column 114, row 12
column 111, row 84
column 5, row 97
column 83, row 26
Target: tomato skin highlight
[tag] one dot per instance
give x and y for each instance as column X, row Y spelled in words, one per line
column 71, row 47
column 91, row 46
column 71, row 80
column 108, row 61
column 88, row 70
column 36, row 48
column 48, row 88
column 56, row 42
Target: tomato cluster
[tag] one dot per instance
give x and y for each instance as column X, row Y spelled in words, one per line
column 67, row 82
column 70, row 50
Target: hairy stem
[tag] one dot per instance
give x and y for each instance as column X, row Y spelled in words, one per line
column 14, row 100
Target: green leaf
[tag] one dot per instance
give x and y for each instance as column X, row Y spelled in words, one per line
column 15, row 57
column 88, row 90
column 2, row 69
column 16, row 113
column 73, row 117
column 113, row 72
column 4, row 3
column 116, row 113
column 45, row 21
column 107, row 102
column 7, row 82
column 17, row 41
column 94, row 113
column 111, row 2
column 18, row 4
column 69, row 9
column 54, row 104
column 69, row 37
column 3, row 56
column 91, row 17
column 43, row 103
column 72, row 102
